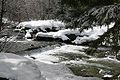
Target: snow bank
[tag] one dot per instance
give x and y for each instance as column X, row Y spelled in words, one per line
column 85, row 36
column 92, row 34
column 42, row 24
column 14, row 67
column 70, row 35
column 62, row 34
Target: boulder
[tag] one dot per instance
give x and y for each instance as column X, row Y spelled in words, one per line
column 14, row 67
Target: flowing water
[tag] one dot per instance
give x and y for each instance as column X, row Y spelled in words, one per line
column 101, row 62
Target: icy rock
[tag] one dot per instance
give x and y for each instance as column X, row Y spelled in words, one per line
column 66, row 35
column 14, row 67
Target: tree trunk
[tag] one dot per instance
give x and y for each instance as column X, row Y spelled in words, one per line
column 2, row 13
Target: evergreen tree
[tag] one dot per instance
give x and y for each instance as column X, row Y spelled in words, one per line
column 103, row 16
column 71, row 10
column 86, row 13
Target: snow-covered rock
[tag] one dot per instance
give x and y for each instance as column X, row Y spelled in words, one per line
column 61, row 34
column 14, row 67
column 66, row 35
column 43, row 25
column 74, row 36
column 92, row 34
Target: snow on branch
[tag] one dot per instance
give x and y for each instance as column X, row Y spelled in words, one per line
column 100, row 16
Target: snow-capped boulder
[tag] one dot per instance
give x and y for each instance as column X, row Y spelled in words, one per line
column 74, row 36
column 14, row 67
column 61, row 35
column 42, row 25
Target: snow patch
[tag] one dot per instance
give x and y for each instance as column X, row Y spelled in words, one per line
column 108, row 59
column 108, row 76
column 59, row 34
column 42, row 24
column 85, row 36
column 92, row 34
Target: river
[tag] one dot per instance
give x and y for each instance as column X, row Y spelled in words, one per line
column 80, row 60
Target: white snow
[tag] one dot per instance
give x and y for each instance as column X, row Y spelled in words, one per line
column 42, row 24
column 87, row 35
column 107, row 59
column 18, row 68
column 5, row 20
column 107, row 75
column 92, row 34
column 59, row 34
column 28, row 35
